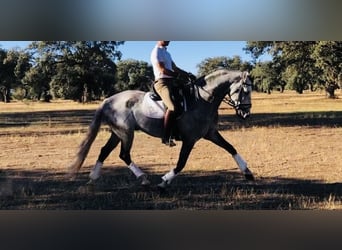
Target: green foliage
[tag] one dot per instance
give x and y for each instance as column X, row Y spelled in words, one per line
column 297, row 55
column 134, row 74
column 13, row 65
column 258, row 48
column 86, row 70
column 265, row 77
column 328, row 57
column 77, row 70
column 209, row 65
column 37, row 79
column 303, row 64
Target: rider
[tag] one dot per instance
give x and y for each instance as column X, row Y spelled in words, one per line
column 166, row 72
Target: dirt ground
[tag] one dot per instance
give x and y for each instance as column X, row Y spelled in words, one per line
column 292, row 144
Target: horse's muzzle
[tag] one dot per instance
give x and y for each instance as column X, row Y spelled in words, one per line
column 243, row 114
column 243, row 110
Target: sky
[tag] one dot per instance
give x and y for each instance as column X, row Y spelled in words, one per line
column 186, row 54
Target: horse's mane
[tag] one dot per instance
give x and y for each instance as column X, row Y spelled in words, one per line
column 202, row 80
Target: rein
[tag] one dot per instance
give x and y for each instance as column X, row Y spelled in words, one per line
column 229, row 101
column 211, row 97
column 226, row 100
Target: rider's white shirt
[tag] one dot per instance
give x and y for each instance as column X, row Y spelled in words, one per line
column 160, row 54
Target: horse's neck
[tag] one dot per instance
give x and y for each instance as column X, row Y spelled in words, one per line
column 213, row 92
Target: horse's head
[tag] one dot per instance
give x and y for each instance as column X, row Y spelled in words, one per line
column 236, row 84
column 240, row 95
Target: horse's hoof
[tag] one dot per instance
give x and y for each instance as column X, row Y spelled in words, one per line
column 91, row 182
column 70, row 176
column 89, row 187
column 249, row 177
column 94, row 175
column 162, row 185
column 144, row 180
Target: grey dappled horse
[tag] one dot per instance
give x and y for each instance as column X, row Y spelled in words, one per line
column 129, row 110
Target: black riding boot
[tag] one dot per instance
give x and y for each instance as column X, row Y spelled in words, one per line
column 169, row 121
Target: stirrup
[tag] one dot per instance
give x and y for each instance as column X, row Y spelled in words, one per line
column 169, row 142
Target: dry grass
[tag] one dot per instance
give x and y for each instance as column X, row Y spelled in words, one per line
column 290, row 101
column 292, row 143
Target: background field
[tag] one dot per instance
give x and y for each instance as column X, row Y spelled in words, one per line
column 292, row 143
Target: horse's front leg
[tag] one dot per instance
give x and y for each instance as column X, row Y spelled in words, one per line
column 215, row 137
column 183, row 157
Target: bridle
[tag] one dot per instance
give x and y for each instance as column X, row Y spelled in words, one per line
column 228, row 99
column 238, row 105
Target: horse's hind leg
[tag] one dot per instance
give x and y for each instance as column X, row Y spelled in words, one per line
column 126, row 145
column 125, row 155
column 105, row 151
column 215, row 137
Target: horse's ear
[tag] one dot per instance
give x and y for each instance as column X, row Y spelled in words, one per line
column 244, row 75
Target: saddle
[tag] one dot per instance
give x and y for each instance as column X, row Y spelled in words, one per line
column 185, row 95
column 153, row 106
column 154, row 95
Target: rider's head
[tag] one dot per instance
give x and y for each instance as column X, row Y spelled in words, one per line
column 163, row 43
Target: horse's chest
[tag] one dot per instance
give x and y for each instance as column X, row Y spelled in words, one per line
column 197, row 124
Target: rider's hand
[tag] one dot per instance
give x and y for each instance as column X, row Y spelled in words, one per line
column 192, row 77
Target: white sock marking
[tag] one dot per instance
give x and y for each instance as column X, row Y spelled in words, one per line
column 240, row 162
column 135, row 169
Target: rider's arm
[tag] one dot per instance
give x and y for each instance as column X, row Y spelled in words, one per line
column 179, row 71
column 165, row 71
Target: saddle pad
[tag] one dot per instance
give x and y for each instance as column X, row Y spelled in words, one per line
column 152, row 109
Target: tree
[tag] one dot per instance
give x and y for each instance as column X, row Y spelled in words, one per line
column 328, row 57
column 211, row 64
column 82, row 70
column 13, row 64
column 258, row 48
column 297, row 55
column 265, row 77
column 37, row 81
column 22, row 66
column 292, row 61
column 5, row 75
column 134, row 74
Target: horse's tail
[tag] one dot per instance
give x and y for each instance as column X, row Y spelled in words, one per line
column 87, row 142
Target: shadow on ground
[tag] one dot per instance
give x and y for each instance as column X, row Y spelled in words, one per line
column 314, row 119
column 72, row 117
column 73, row 120
column 118, row 189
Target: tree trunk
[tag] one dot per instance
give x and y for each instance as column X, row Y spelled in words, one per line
column 47, row 96
column 85, row 94
column 2, row 98
column 39, row 95
column 330, row 90
column 311, row 87
column 6, row 95
column 282, row 88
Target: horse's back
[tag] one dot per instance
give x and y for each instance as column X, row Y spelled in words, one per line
column 119, row 106
column 124, row 99
column 127, row 94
